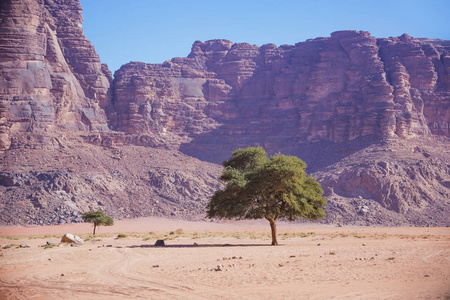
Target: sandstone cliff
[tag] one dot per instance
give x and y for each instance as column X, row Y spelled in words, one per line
column 370, row 116
column 52, row 78
column 349, row 85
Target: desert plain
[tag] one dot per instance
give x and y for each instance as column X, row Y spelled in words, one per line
column 225, row 260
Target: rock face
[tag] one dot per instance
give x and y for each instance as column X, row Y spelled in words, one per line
column 52, row 79
column 369, row 115
column 349, row 85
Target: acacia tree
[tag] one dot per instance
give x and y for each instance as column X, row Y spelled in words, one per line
column 97, row 218
column 258, row 186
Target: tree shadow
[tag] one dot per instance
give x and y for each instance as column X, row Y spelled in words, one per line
column 199, row 246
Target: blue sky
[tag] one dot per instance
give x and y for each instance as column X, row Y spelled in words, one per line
column 153, row 31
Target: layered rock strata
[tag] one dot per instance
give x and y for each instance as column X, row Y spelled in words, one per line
column 335, row 89
column 370, row 117
column 51, row 76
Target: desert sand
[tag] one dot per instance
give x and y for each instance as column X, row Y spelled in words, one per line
column 225, row 260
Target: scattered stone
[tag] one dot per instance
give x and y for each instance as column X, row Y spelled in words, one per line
column 364, row 210
column 109, row 246
column 70, row 238
column 160, row 243
column 292, row 256
column 155, row 266
column 24, row 246
column 318, row 244
column 63, row 274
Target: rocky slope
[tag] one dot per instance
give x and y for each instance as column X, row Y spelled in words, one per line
column 55, row 185
column 370, row 117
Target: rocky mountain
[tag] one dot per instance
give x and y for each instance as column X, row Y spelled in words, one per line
column 369, row 115
column 334, row 89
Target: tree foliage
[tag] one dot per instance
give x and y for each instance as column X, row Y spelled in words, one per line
column 258, row 186
column 97, row 218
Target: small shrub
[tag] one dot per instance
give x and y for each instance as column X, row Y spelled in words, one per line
column 121, row 235
column 332, row 253
column 179, row 231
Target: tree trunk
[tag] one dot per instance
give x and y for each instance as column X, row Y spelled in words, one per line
column 273, row 227
column 95, row 226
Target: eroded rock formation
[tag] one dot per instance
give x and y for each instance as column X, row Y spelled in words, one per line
column 370, row 116
column 51, row 76
column 336, row 89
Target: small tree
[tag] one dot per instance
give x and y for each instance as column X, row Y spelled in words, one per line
column 261, row 187
column 97, row 218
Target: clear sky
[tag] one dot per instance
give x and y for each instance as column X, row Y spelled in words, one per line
column 153, row 31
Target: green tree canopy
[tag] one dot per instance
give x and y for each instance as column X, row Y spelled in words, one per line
column 97, row 218
column 258, row 186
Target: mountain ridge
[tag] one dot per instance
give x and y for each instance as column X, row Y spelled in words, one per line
column 369, row 115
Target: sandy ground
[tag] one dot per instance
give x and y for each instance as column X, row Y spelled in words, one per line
column 228, row 260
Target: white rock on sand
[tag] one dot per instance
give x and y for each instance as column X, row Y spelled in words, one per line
column 70, row 238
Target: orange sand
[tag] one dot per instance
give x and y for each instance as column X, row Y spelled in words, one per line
column 312, row 262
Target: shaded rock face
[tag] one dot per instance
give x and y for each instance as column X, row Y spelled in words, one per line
column 52, row 79
column 339, row 88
